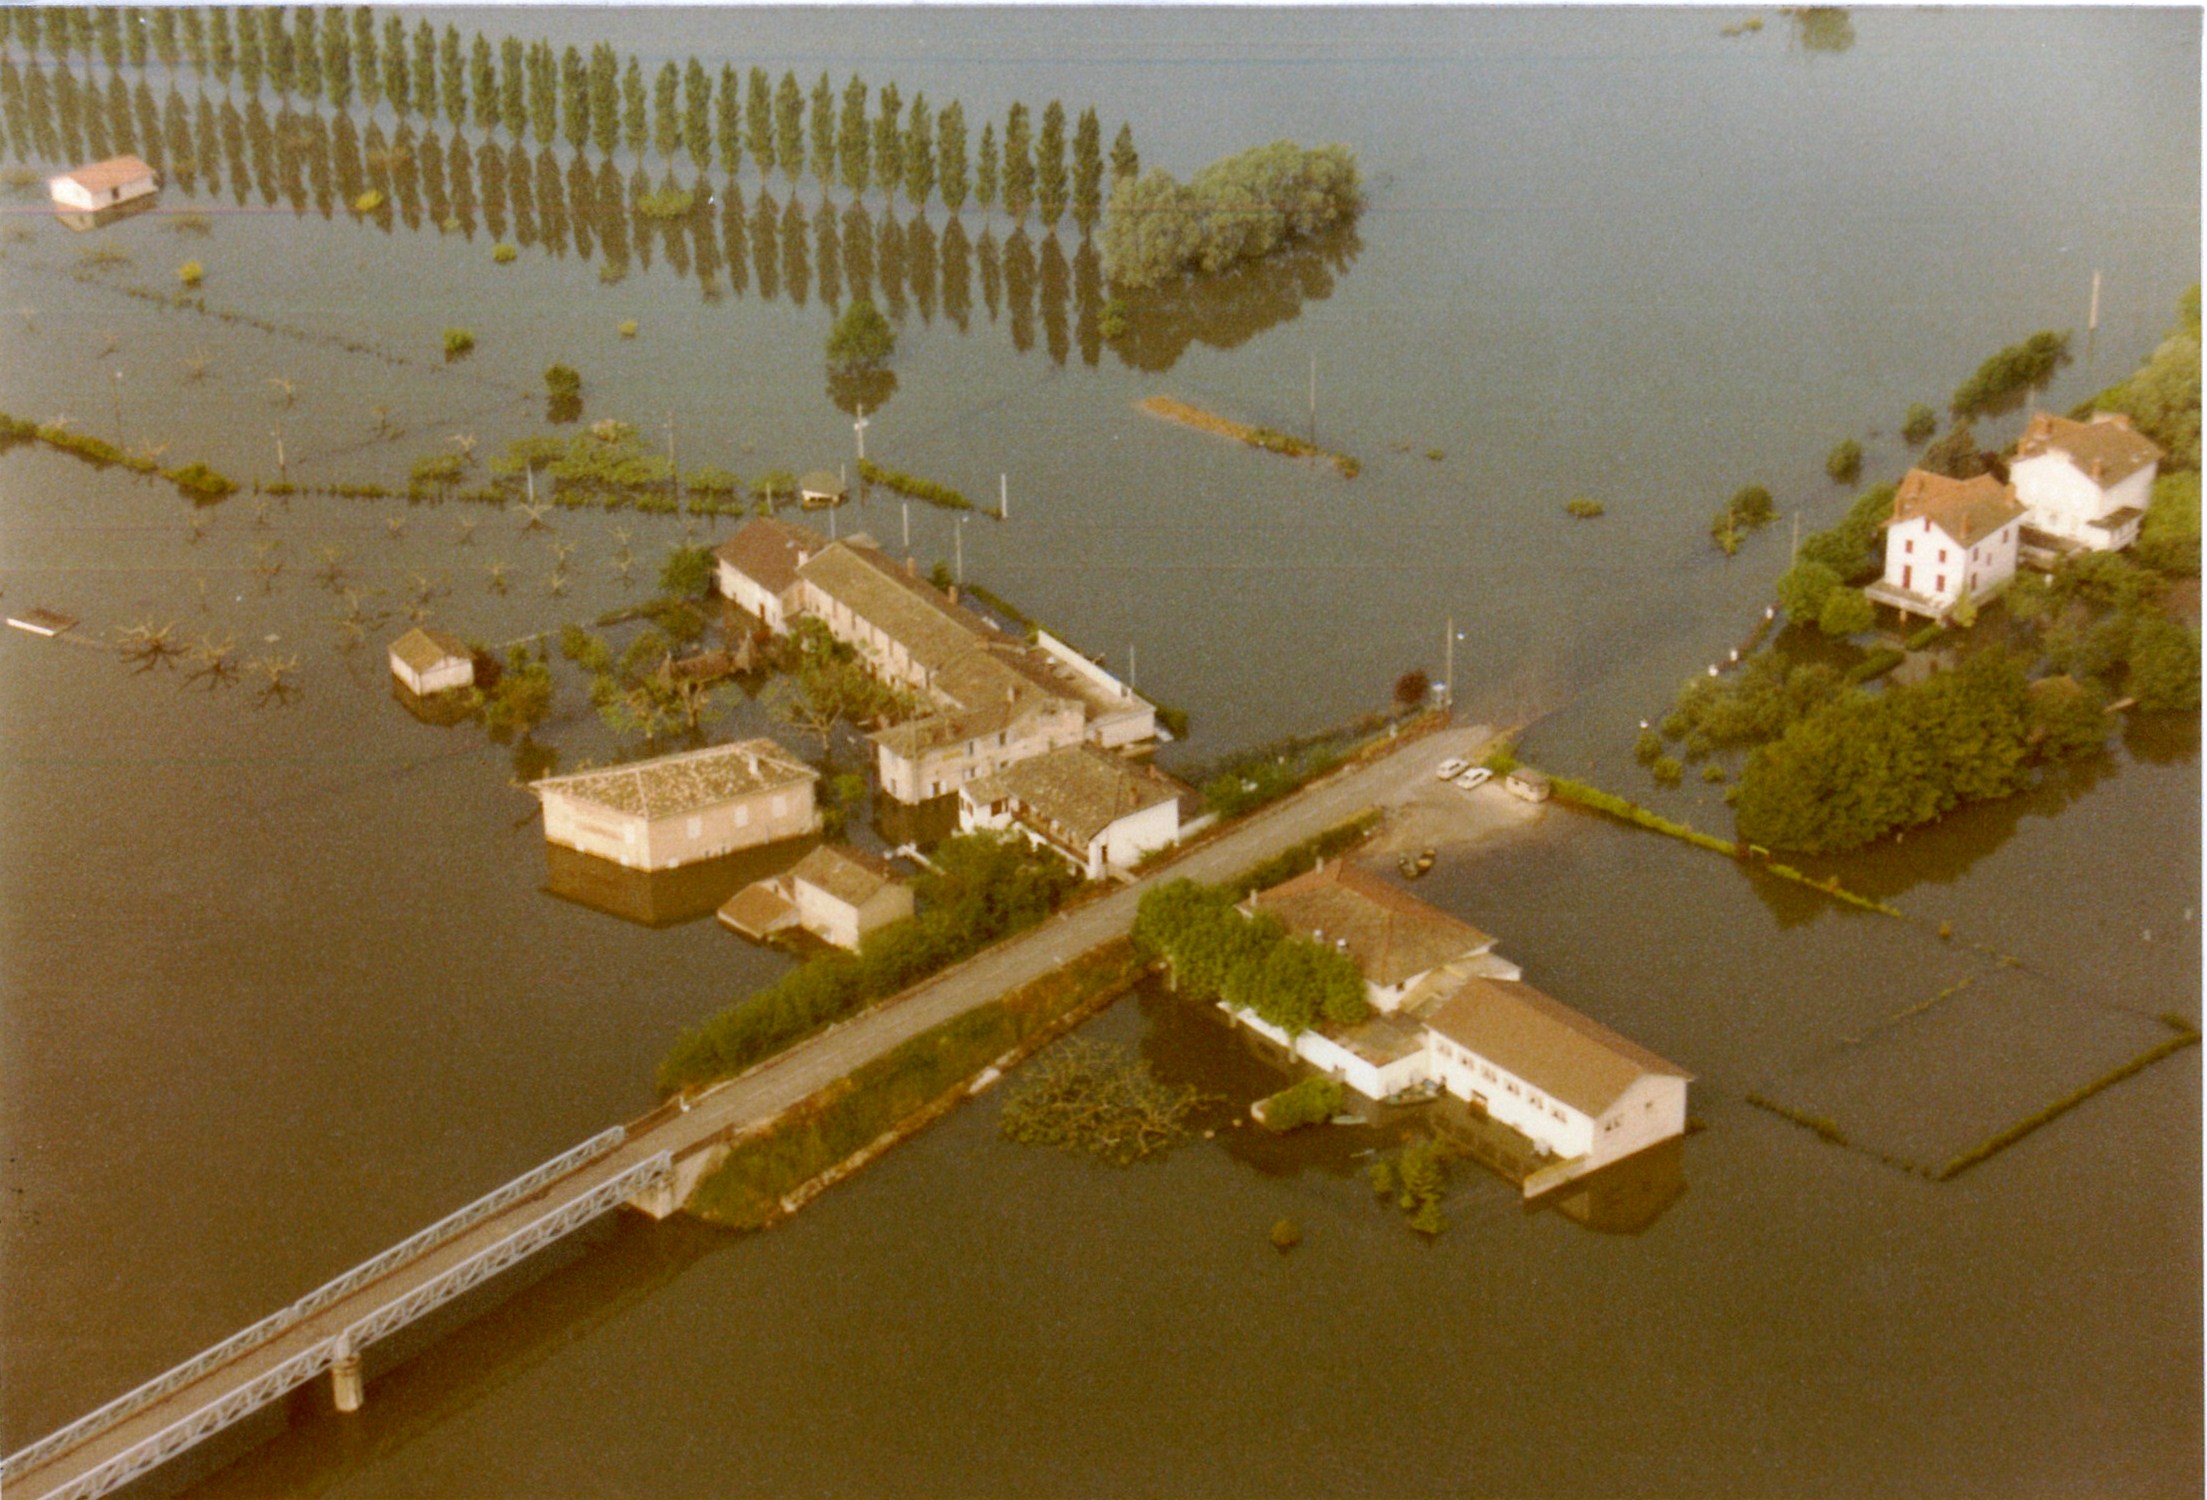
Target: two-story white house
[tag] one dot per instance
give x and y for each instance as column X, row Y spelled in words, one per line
column 1948, row 539
column 1098, row 810
column 2085, row 485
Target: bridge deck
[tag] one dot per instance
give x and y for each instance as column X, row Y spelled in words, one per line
column 302, row 1350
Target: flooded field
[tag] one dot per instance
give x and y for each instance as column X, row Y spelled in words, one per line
column 285, row 973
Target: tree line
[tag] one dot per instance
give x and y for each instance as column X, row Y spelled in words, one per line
column 859, row 137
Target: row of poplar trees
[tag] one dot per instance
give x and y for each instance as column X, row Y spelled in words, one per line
column 861, row 139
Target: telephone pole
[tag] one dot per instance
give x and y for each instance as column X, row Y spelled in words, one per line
column 860, row 427
column 1314, row 400
column 116, row 386
column 1003, row 497
column 958, row 535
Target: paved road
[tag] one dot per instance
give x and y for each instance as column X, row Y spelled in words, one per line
column 791, row 1076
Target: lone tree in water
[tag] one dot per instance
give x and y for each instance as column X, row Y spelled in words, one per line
column 1050, row 176
column 861, row 339
column 1087, row 171
column 1019, row 165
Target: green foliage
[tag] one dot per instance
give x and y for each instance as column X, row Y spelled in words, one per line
column 1845, row 612
column 1954, row 455
column 590, row 652
column 1238, row 209
column 1874, row 666
column 1313, row 1101
column 504, row 254
column 562, row 382
column 1852, row 550
column 1648, row 746
column 1844, row 462
column 1666, row 770
column 1751, row 506
column 457, row 341
column 1295, row 983
column 2168, row 538
column 522, row 697
column 1803, row 588
column 2003, row 378
column 1297, row 858
column 1919, row 424
column 1052, row 180
column 950, row 156
column 2162, row 670
column 1581, row 508
column 2066, row 718
column 191, row 273
column 198, row 482
column 1865, row 764
column 2162, row 396
column 1088, row 167
column 941, row 495
column 984, row 887
column 862, row 338
column 688, row 573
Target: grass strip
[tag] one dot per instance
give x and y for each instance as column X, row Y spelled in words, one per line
column 911, row 484
column 2186, row 1036
column 1241, row 432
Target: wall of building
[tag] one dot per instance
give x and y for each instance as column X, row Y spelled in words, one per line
column 2062, row 498
column 762, row 818
column 1126, row 841
column 1912, row 561
column 1652, row 1110
column 749, row 594
column 70, row 194
column 1516, row 1102
column 1336, row 1061
column 945, row 769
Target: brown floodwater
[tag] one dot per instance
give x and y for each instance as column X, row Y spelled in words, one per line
column 285, row 977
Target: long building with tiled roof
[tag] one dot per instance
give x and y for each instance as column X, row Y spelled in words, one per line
column 678, row 809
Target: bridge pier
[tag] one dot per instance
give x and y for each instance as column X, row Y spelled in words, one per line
column 658, row 1200
column 346, row 1383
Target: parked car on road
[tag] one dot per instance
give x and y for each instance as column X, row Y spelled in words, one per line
column 1475, row 778
column 1452, row 768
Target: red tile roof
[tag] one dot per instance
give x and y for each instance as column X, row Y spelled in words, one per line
column 1392, row 935
column 1968, row 510
column 2106, row 449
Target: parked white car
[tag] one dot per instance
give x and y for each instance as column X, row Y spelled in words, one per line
column 1475, row 778
column 1452, row 768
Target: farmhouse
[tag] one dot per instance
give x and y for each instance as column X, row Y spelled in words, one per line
column 1948, row 539
column 103, row 184
column 757, row 567
column 429, row 661
column 836, row 893
column 2085, row 485
column 679, row 809
column 1099, row 811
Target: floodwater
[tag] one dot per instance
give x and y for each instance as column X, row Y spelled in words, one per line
column 285, row 976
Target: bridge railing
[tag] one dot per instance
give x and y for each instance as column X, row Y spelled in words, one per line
column 171, row 1381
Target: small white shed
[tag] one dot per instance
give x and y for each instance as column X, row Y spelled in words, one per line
column 103, row 184
column 429, row 661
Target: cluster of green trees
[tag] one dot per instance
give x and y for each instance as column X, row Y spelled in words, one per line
column 195, row 481
column 982, row 887
column 1415, row 1181
column 1252, row 963
column 1313, row 1101
column 1866, row 764
column 822, row 683
column 2003, row 378
column 1241, row 208
column 2162, row 400
column 861, row 138
column 1749, row 508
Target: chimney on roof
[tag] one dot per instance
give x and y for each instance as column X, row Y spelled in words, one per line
column 954, row 593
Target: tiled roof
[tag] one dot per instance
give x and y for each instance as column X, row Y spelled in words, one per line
column 906, row 609
column 1968, row 510
column 687, row 782
column 116, row 171
column 851, row 876
column 2106, row 449
column 769, row 551
column 758, row 911
column 1546, row 1043
column 1390, row 933
column 423, row 649
column 1080, row 789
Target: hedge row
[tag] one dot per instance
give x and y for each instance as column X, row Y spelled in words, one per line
column 911, row 484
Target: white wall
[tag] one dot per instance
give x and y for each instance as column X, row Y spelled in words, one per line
column 1136, row 834
column 1922, row 559
column 1337, row 1061
column 1653, row 1109
column 1515, row 1102
column 2063, row 499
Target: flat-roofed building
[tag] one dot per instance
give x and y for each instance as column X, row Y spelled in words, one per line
column 1098, row 810
column 678, row 809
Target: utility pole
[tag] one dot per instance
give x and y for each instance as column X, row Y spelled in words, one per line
column 958, row 535
column 2092, row 321
column 1448, row 672
column 908, row 528
column 529, row 469
column 116, row 386
column 1003, row 497
column 674, row 475
column 283, row 475
column 1130, row 666
column 1314, row 400
column 860, row 427
column 1795, row 555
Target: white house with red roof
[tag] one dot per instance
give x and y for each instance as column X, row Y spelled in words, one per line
column 2085, row 485
column 103, row 184
column 1948, row 539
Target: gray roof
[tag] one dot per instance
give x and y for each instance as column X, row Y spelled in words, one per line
column 691, row 781
column 1546, row 1043
column 906, row 609
column 2106, row 449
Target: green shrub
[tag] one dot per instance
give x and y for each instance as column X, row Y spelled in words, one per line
column 1241, row 208
column 1583, row 508
column 1845, row 612
column 199, row 482
column 669, row 203
column 1712, row 772
column 2007, row 374
column 504, row 255
column 457, row 341
column 368, row 202
column 1919, row 424
column 1648, row 748
column 1313, row 1101
column 628, row 328
column 1844, row 462
column 1875, row 665
column 1666, row 770
column 941, row 495
column 861, row 338
column 562, row 382
column 191, row 273
column 1803, row 588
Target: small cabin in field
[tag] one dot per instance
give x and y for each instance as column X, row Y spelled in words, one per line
column 1529, row 784
column 821, row 488
column 429, row 662
column 103, row 184
column 678, row 809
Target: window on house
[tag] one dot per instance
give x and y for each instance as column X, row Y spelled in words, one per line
column 696, row 827
column 743, row 816
column 1909, row 547
column 1942, row 583
column 781, row 805
column 1942, row 554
